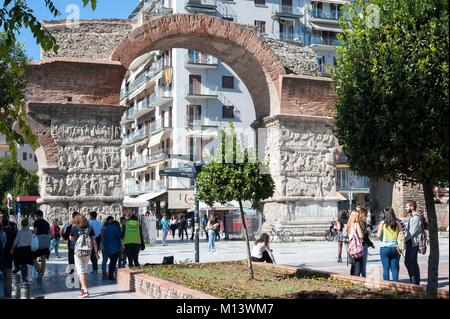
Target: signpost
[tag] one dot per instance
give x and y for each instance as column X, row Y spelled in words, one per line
column 188, row 171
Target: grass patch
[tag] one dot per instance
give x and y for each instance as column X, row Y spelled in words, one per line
column 229, row 280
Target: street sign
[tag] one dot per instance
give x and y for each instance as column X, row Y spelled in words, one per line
column 185, row 171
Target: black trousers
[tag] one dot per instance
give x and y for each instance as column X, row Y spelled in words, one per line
column 181, row 232
column 265, row 258
column 112, row 265
column 94, row 260
column 411, row 263
column 132, row 251
column 71, row 256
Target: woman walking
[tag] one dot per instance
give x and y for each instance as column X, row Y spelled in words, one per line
column 353, row 228
column 362, row 218
column 55, row 232
column 211, row 227
column 81, row 228
column 388, row 231
column 21, row 249
column 165, row 229
column 173, row 225
column 261, row 251
column 341, row 222
column 108, row 220
column 112, row 244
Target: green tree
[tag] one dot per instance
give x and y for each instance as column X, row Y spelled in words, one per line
column 17, row 180
column 234, row 173
column 392, row 97
column 14, row 15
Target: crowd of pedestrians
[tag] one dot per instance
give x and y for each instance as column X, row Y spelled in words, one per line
column 397, row 238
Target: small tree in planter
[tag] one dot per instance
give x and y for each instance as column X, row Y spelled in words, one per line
column 234, row 173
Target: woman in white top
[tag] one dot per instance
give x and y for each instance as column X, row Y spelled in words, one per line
column 261, row 251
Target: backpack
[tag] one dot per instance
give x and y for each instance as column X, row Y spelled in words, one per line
column 168, row 260
column 355, row 247
column 83, row 245
column 423, row 242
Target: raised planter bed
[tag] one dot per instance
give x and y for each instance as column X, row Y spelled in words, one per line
column 229, row 280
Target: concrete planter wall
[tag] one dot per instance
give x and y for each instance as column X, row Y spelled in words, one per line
column 156, row 288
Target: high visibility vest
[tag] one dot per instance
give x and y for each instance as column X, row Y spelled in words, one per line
column 132, row 234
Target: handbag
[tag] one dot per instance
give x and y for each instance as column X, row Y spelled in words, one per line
column 34, row 242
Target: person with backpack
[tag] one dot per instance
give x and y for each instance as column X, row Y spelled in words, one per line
column 55, row 232
column 10, row 231
column 355, row 246
column 165, row 226
column 412, row 239
column 388, row 233
column 65, row 234
column 123, row 254
column 42, row 231
column 363, row 215
column 108, row 220
column 133, row 240
column 96, row 225
column 112, row 244
column 83, row 236
column 21, row 249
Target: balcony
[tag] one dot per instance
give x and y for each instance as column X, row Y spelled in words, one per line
column 144, row 187
column 289, row 37
column 319, row 41
column 140, row 160
column 199, row 92
column 142, row 79
column 158, row 98
column 135, row 136
column 200, row 121
column 321, row 16
column 201, row 61
column 347, row 180
column 201, row 6
column 284, row 11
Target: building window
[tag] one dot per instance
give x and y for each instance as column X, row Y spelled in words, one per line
column 31, row 156
column 24, row 156
column 228, row 82
column 228, row 111
column 261, row 2
column 261, row 25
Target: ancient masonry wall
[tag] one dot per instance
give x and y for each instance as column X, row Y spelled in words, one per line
column 86, row 174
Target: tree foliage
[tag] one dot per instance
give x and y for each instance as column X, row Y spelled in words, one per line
column 392, row 90
column 392, row 109
column 17, row 180
column 234, row 174
column 14, row 15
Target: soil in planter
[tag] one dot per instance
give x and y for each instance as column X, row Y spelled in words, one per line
column 230, row 280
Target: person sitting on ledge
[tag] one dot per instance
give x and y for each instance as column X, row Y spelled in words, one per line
column 261, row 251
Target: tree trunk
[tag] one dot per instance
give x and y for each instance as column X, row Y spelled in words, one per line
column 249, row 256
column 433, row 259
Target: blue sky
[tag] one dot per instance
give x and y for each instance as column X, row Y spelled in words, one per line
column 105, row 9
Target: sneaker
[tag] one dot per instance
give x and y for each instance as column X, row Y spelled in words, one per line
column 84, row 294
column 58, row 257
column 215, row 253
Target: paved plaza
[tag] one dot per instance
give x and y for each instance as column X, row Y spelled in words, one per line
column 315, row 255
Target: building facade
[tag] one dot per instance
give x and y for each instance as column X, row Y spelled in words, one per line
column 25, row 154
column 177, row 100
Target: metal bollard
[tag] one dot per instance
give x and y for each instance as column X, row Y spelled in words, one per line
column 25, row 291
column 15, row 280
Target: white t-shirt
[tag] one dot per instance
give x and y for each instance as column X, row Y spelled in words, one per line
column 259, row 248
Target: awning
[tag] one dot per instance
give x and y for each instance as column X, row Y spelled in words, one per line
column 331, row 1
column 134, row 202
column 322, row 27
column 151, row 195
column 341, row 196
column 157, row 138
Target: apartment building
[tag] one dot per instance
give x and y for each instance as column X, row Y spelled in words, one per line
column 177, row 100
column 25, row 154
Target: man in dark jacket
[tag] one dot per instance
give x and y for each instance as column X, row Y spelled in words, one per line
column 10, row 230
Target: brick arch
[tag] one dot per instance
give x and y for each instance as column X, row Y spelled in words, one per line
column 238, row 46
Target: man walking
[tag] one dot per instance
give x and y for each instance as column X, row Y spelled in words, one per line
column 42, row 230
column 412, row 239
column 96, row 226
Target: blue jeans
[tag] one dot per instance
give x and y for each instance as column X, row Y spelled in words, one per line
column 212, row 241
column 364, row 261
column 54, row 245
column 165, row 231
column 390, row 259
